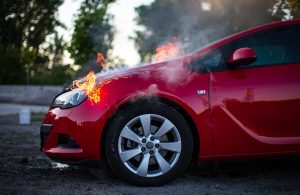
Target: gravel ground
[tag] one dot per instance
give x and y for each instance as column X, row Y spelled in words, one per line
column 25, row 170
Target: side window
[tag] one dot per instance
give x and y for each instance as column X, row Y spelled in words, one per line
column 280, row 46
column 209, row 62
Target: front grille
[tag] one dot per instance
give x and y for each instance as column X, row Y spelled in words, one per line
column 45, row 130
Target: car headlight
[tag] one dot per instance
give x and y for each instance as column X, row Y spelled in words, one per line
column 69, row 99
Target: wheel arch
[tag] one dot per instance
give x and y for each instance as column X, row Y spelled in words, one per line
column 154, row 99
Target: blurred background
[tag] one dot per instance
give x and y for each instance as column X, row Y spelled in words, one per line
column 46, row 44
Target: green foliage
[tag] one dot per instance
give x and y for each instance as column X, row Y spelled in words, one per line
column 286, row 9
column 10, row 67
column 57, row 75
column 24, row 27
column 93, row 33
column 295, row 8
column 50, row 69
column 195, row 27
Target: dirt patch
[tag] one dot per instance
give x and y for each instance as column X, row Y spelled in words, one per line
column 25, row 170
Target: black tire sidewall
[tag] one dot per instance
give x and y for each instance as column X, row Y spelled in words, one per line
column 122, row 118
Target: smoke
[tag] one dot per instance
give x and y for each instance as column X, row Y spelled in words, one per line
column 193, row 26
column 113, row 70
column 194, row 23
column 150, row 91
column 197, row 23
column 175, row 74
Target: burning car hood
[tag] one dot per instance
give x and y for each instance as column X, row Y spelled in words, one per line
column 136, row 70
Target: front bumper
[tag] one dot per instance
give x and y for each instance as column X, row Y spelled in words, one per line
column 44, row 133
column 83, row 124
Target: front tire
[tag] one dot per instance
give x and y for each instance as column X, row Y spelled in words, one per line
column 148, row 144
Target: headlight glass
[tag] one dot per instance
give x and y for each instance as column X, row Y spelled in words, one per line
column 69, row 99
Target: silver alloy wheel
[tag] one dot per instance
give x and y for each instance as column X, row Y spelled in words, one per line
column 149, row 145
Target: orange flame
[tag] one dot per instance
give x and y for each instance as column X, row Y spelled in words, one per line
column 88, row 85
column 168, row 51
column 100, row 60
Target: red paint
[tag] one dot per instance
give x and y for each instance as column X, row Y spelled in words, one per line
column 256, row 110
column 245, row 112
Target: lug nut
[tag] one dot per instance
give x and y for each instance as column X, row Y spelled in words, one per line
column 156, row 145
column 143, row 149
column 144, row 140
column 151, row 152
column 152, row 138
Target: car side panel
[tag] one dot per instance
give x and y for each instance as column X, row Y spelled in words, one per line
column 256, row 110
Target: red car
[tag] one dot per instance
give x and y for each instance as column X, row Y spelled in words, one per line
column 238, row 97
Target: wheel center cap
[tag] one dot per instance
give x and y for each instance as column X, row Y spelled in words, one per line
column 149, row 145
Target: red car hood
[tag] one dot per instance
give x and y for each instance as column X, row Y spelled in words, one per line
column 175, row 63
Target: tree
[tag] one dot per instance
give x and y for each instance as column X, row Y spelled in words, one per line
column 196, row 23
column 93, row 33
column 295, row 8
column 50, row 69
column 24, row 27
column 286, row 9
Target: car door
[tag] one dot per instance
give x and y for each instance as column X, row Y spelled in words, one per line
column 255, row 109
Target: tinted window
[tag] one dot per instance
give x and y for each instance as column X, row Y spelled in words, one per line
column 208, row 62
column 280, row 46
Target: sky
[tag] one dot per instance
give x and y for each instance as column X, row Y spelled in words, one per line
column 124, row 14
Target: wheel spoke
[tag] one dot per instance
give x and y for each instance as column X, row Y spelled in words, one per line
column 143, row 168
column 165, row 128
column 163, row 164
column 128, row 154
column 129, row 134
column 172, row 146
column 146, row 123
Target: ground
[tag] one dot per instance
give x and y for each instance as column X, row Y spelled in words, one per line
column 25, row 170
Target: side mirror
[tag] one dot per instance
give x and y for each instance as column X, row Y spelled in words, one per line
column 242, row 56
